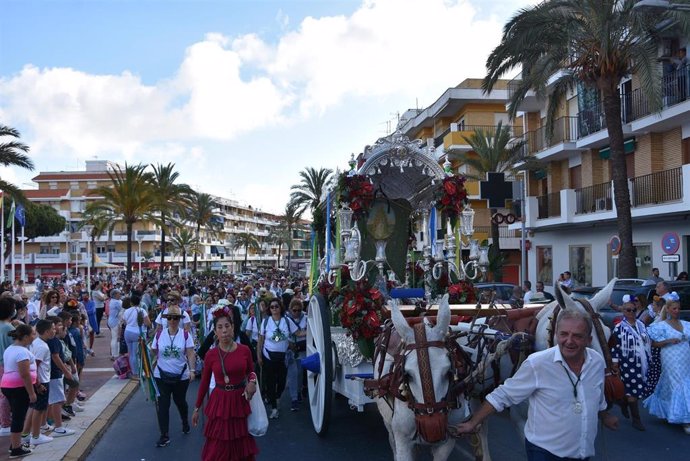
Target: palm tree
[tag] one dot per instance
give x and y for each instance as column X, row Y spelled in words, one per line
column 169, row 198
column 279, row 235
column 13, row 153
column 184, row 242
column 307, row 194
column 593, row 44
column 247, row 241
column 291, row 218
column 128, row 199
column 492, row 152
column 200, row 212
column 99, row 221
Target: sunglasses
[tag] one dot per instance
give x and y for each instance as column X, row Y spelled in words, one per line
column 296, row 311
column 628, row 310
column 275, row 306
column 174, row 317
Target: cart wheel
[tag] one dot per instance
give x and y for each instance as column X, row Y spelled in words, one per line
column 320, row 383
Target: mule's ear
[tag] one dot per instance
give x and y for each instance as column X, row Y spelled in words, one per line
column 603, row 296
column 443, row 317
column 401, row 326
column 559, row 294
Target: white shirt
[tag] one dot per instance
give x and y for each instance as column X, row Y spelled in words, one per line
column 172, row 352
column 527, row 296
column 268, row 330
column 42, row 353
column 130, row 318
column 552, row 423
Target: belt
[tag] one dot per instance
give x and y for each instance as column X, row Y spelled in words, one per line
column 233, row 387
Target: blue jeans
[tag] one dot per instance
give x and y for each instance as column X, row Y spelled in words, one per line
column 294, row 373
column 132, row 340
column 535, row 453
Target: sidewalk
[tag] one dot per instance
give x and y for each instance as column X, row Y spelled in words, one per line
column 106, row 395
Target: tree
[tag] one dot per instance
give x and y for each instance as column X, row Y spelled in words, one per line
column 201, row 208
column 169, row 198
column 184, row 242
column 41, row 221
column 594, row 44
column 278, row 235
column 492, row 153
column 13, row 153
column 99, row 221
column 307, row 195
column 247, row 241
column 129, row 199
column 291, row 218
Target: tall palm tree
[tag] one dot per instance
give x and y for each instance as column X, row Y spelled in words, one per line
column 307, row 195
column 201, row 208
column 279, row 235
column 13, row 153
column 99, row 221
column 292, row 217
column 169, row 198
column 184, row 242
column 492, row 152
column 247, row 241
column 594, row 44
column 129, row 199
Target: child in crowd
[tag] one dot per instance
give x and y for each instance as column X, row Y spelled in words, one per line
column 58, row 371
column 69, row 346
column 35, row 419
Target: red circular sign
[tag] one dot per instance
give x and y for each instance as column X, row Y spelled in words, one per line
column 615, row 243
column 670, row 243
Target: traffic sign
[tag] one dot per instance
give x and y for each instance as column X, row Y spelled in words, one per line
column 670, row 243
column 670, row 258
column 615, row 243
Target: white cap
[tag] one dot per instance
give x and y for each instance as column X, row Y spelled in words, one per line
column 626, row 298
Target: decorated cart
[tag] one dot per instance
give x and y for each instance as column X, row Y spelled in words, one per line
column 398, row 225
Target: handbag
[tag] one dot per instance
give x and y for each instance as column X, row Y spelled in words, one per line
column 171, row 378
column 276, row 356
column 257, row 421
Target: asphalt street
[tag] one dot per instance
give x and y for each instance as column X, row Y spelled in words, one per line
column 354, row 435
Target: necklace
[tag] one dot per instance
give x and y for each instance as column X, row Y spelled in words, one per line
column 577, row 408
column 278, row 334
column 222, row 356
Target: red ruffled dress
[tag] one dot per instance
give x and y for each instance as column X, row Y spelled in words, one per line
column 227, row 438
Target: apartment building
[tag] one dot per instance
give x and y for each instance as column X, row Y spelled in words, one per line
column 454, row 116
column 570, row 211
column 68, row 252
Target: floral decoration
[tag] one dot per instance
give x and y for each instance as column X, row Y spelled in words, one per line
column 357, row 192
column 462, row 293
column 451, row 196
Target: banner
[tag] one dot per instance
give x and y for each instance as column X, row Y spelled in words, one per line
column 20, row 215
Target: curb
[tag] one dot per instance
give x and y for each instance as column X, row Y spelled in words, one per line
column 80, row 450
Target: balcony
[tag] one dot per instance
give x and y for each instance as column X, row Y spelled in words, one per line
column 660, row 187
column 530, row 103
column 563, row 139
column 549, row 206
column 593, row 198
column 454, row 138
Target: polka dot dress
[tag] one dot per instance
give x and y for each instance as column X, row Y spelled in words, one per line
column 626, row 351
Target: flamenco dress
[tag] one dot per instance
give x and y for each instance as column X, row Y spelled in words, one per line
column 671, row 398
column 227, row 438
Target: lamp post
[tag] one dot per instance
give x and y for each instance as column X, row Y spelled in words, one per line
column 67, row 252
column 140, row 240
column 87, row 230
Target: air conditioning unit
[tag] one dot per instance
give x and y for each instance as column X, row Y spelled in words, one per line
column 601, row 204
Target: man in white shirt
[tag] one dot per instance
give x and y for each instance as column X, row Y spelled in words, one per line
column 527, row 288
column 565, row 388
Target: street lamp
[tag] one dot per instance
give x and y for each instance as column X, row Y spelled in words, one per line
column 661, row 5
column 140, row 240
column 66, row 234
column 88, row 229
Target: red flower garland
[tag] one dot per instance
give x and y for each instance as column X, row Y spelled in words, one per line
column 462, row 293
column 360, row 311
column 357, row 192
column 451, row 196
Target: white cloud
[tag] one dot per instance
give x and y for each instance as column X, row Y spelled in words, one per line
column 226, row 87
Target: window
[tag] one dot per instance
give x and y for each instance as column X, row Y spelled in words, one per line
column 91, row 184
column 77, row 206
column 643, row 260
column 580, row 265
column 545, row 265
column 74, row 185
column 52, row 185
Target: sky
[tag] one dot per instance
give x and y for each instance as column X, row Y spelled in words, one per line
column 241, row 95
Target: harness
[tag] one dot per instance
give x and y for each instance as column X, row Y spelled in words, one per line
column 431, row 414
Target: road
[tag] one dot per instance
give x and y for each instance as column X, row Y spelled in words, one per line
column 353, row 435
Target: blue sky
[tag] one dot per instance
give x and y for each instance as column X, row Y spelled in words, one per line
column 240, row 95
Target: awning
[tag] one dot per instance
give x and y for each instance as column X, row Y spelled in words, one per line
column 215, row 250
column 221, row 250
column 628, row 148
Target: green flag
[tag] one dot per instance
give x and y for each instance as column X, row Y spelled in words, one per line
column 10, row 217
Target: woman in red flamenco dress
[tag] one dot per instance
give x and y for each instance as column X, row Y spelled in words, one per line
column 227, row 438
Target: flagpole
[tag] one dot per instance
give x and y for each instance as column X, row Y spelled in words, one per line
column 2, row 237
column 12, row 273
column 23, row 260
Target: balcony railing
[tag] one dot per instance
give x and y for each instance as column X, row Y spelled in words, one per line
column 660, row 187
column 674, row 90
column 503, row 231
column 593, row 198
column 565, row 129
column 513, row 86
column 549, row 205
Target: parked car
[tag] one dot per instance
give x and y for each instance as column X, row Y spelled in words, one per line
column 503, row 291
column 611, row 316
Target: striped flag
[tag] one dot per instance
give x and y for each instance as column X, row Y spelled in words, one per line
column 10, row 218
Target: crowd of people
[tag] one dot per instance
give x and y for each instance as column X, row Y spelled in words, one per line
column 233, row 332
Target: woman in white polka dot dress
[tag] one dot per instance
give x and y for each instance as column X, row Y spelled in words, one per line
column 631, row 345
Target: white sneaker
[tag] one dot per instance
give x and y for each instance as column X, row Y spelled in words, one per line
column 47, row 428
column 77, row 408
column 274, row 414
column 41, row 439
column 62, row 432
column 5, row 431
